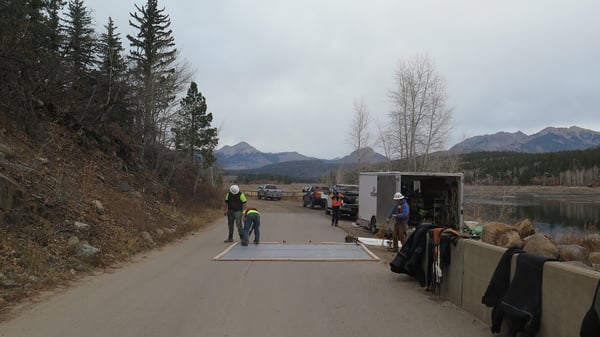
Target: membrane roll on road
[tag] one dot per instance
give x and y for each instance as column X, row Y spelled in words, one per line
column 297, row 252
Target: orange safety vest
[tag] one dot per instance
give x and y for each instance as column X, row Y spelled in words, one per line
column 336, row 201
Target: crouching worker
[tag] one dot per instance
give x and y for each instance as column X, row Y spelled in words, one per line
column 251, row 224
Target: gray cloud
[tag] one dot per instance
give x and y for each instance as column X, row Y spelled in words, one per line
column 282, row 75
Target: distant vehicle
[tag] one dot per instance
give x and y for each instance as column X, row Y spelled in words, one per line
column 350, row 199
column 313, row 196
column 269, row 191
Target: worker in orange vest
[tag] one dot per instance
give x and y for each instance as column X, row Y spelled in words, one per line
column 337, row 199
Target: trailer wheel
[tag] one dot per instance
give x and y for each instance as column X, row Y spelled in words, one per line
column 373, row 225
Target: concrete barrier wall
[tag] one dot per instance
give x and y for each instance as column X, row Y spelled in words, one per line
column 567, row 291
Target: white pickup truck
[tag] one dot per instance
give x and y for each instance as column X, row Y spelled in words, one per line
column 269, row 191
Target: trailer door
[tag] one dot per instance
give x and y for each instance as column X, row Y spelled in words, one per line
column 386, row 187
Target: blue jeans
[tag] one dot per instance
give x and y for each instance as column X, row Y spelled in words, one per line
column 252, row 221
column 235, row 216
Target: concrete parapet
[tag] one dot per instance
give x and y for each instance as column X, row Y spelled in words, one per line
column 567, row 291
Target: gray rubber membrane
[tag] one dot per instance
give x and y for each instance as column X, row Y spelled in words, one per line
column 296, row 252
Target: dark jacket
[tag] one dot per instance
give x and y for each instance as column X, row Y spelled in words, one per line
column 590, row 326
column 410, row 257
column 498, row 286
column 522, row 304
column 519, row 301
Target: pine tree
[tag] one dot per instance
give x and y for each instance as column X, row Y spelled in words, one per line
column 80, row 44
column 153, row 54
column 192, row 128
column 24, row 61
column 112, row 76
column 80, row 47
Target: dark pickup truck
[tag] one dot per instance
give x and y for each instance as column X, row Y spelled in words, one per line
column 350, row 201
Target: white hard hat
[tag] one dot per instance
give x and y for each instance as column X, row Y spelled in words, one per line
column 398, row 196
column 234, row 189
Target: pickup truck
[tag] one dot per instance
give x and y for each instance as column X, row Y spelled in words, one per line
column 350, row 201
column 269, row 191
column 313, row 196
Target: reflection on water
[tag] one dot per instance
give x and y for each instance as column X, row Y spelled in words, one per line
column 550, row 214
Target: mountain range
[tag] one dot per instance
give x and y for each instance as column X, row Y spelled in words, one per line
column 243, row 156
column 550, row 139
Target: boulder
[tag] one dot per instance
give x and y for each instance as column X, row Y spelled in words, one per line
column 571, row 253
column 147, row 239
column 540, row 245
column 500, row 234
column 86, row 250
column 591, row 242
column 98, row 205
column 594, row 260
column 525, row 228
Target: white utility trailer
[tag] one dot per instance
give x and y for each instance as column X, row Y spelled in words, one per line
column 435, row 198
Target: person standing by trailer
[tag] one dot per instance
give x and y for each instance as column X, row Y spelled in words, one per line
column 400, row 212
column 251, row 224
column 234, row 205
column 336, row 202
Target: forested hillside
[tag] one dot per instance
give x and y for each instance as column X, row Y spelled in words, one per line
column 568, row 168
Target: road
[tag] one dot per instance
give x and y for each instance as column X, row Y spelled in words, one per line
column 179, row 290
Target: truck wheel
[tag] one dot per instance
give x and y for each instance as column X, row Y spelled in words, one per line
column 373, row 225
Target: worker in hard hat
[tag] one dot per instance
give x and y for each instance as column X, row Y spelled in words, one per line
column 234, row 205
column 399, row 212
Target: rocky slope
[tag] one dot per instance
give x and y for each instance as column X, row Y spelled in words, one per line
column 75, row 202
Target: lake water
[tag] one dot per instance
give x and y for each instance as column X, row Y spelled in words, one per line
column 551, row 214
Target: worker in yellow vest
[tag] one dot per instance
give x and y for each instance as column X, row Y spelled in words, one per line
column 251, row 224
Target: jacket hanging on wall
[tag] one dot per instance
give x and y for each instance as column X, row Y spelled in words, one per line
column 498, row 286
column 522, row 303
column 590, row 326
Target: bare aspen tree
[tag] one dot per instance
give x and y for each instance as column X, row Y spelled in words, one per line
column 385, row 135
column 420, row 116
column 359, row 134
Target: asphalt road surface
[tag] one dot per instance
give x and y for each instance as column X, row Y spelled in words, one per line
column 181, row 291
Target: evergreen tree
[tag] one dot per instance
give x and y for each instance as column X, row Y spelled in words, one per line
column 192, row 128
column 153, row 55
column 80, row 47
column 55, row 39
column 112, row 76
column 80, row 43
column 24, row 61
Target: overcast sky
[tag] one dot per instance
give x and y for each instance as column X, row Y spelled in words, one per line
column 282, row 75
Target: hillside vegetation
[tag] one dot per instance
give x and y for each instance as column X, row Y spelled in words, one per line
column 76, row 208
column 103, row 153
